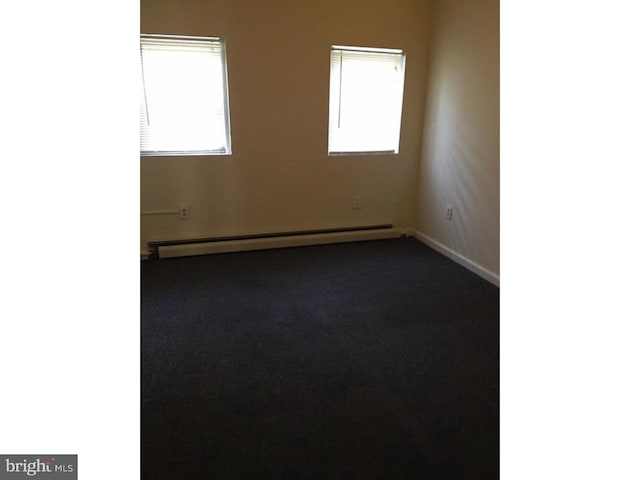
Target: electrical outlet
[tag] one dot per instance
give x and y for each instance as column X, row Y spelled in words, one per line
column 449, row 213
column 357, row 202
column 183, row 211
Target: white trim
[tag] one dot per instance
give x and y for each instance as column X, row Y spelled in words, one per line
column 366, row 49
column 457, row 257
column 276, row 242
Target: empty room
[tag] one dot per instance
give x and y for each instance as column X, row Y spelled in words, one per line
column 319, row 229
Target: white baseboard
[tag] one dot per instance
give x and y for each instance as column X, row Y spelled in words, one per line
column 276, row 242
column 457, row 257
column 321, row 239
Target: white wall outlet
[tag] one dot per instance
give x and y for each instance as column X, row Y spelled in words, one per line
column 183, row 211
column 357, row 202
column 449, row 213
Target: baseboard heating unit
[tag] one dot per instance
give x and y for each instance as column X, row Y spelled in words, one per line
column 258, row 241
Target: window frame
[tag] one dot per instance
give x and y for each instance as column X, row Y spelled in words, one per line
column 226, row 149
column 374, row 50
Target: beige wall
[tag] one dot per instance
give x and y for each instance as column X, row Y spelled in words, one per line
column 459, row 163
column 280, row 176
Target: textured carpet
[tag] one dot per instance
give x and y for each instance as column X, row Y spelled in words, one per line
column 358, row 361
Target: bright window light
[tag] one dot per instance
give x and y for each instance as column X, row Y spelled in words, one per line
column 184, row 104
column 365, row 100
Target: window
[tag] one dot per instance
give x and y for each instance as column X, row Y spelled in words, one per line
column 365, row 100
column 184, row 104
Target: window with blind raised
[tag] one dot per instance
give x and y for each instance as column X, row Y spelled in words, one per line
column 184, row 106
column 365, row 100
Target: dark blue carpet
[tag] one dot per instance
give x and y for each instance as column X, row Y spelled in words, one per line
column 352, row 361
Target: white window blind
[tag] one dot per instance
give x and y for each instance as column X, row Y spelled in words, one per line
column 365, row 100
column 184, row 103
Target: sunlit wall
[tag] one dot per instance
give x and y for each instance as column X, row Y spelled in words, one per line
column 460, row 159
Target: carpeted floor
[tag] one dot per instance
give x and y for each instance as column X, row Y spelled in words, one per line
column 352, row 361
